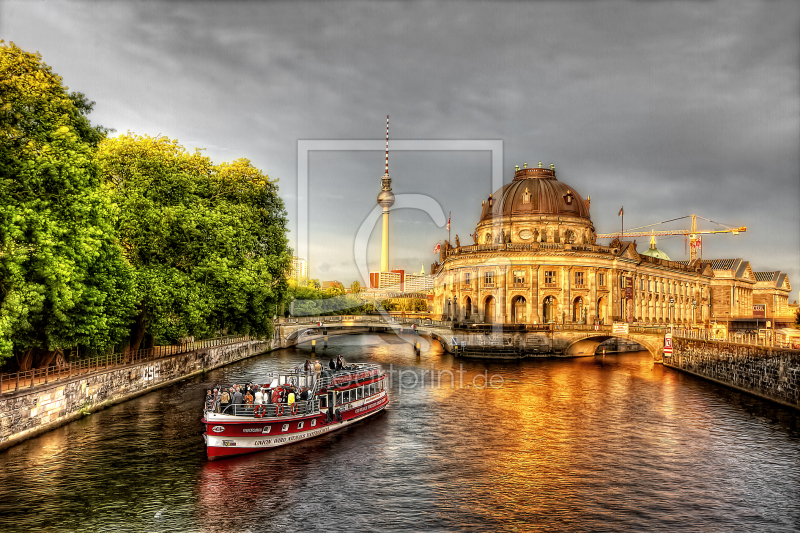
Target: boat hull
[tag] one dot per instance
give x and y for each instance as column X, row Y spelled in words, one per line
column 229, row 437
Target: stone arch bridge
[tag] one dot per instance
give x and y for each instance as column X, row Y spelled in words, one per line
column 509, row 341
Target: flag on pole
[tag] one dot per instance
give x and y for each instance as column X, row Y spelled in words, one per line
column 621, row 211
column 448, row 221
column 437, row 247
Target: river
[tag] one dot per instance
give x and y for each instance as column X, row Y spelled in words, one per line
column 592, row 443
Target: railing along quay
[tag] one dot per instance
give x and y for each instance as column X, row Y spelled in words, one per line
column 12, row 382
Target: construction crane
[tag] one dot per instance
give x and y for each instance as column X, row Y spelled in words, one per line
column 693, row 233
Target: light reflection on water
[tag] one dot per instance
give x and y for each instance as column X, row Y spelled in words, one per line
column 613, row 443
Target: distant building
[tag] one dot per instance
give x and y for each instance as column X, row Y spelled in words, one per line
column 419, row 283
column 324, row 285
column 299, row 268
column 391, row 281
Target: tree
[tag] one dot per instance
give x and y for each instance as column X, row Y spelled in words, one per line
column 355, row 288
column 208, row 243
column 63, row 279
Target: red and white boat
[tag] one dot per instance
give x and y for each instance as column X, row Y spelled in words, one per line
column 335, row 400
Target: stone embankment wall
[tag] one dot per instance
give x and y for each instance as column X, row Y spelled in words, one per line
column 771, row 373
column 29, row 412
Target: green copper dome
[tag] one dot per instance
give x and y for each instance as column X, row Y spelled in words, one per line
column 655, row 252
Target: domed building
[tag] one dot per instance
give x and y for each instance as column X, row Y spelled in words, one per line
column 654, row 251
column 534, row 259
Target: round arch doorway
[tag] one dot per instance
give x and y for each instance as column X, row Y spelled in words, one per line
column 577, row 310
column 467, row 308
column 489, row 308
column 518, row 308
column 549, row 309
column 601, row 310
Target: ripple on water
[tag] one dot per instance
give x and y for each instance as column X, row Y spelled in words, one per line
column 614, row 443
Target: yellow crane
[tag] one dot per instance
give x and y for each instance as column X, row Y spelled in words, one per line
column 693, row 233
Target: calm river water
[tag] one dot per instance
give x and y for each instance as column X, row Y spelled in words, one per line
column 613, row 443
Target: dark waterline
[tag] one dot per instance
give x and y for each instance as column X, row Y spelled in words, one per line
column 613, row 443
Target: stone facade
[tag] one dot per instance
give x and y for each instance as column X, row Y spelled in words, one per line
column 29, row 412
column 535, row 260
column 772, row 373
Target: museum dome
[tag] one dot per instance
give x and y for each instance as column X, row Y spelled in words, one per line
column 653, row 251
column 535, row 191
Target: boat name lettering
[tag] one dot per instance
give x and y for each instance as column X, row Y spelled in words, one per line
column 229, row 443
column 218, row 429
column 251, row 430
column 368, row 406
column 266, row 442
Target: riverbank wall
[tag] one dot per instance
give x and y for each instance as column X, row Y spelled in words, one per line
column 30, row 412
column 768, row 372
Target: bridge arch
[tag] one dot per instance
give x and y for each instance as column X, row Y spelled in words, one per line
column 587, row 345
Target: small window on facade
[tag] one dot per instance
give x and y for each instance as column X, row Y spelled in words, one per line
column 550, row 276
column 519, row 276
column 488, row 279
column 526, row 198
column 578, row 278
column 467, row 278
column 601, row 279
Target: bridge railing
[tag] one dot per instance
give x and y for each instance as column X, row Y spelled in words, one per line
column 750, row 339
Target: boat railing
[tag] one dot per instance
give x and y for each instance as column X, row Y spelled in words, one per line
column 270, row 410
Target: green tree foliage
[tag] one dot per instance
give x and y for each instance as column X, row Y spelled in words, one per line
column 208, row 243
column 63, row 279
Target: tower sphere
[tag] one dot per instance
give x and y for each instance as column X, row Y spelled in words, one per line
column 386, row 199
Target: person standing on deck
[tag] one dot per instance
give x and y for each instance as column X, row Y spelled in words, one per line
column 259, row 397
column 318, row 368
column 237, row 401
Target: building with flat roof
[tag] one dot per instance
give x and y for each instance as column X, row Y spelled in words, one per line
column 299, row 268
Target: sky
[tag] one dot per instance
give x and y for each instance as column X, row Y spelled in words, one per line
column 665, row 108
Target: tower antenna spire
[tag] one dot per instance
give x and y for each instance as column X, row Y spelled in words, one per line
column 386, row 169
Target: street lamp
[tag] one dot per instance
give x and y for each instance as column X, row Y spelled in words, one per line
column 694, row 306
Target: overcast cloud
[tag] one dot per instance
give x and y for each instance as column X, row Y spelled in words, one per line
column 666, row 108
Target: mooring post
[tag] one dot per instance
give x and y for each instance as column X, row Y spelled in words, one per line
column 313, row 346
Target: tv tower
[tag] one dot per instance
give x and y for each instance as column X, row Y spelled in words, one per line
column 386, row 200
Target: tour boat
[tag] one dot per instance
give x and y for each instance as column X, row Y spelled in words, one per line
column 336, row 399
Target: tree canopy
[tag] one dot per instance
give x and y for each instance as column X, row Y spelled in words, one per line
column 63, row 278
column 207, row 242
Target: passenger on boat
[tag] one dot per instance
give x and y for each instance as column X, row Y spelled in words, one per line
column 318, row 368
column 248, row 399
column 276, row 395
column 332, row 364
column 209, row 401
column 290, row 398
column 259, row 397
column 224, row 400
column 307, row 366
column 340, row 362
column 237, row 400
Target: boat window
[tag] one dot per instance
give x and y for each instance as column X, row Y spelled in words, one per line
column 314, row 423
column 346, row 396
column 323, row 401
column 300, row 425
column 285, row 427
